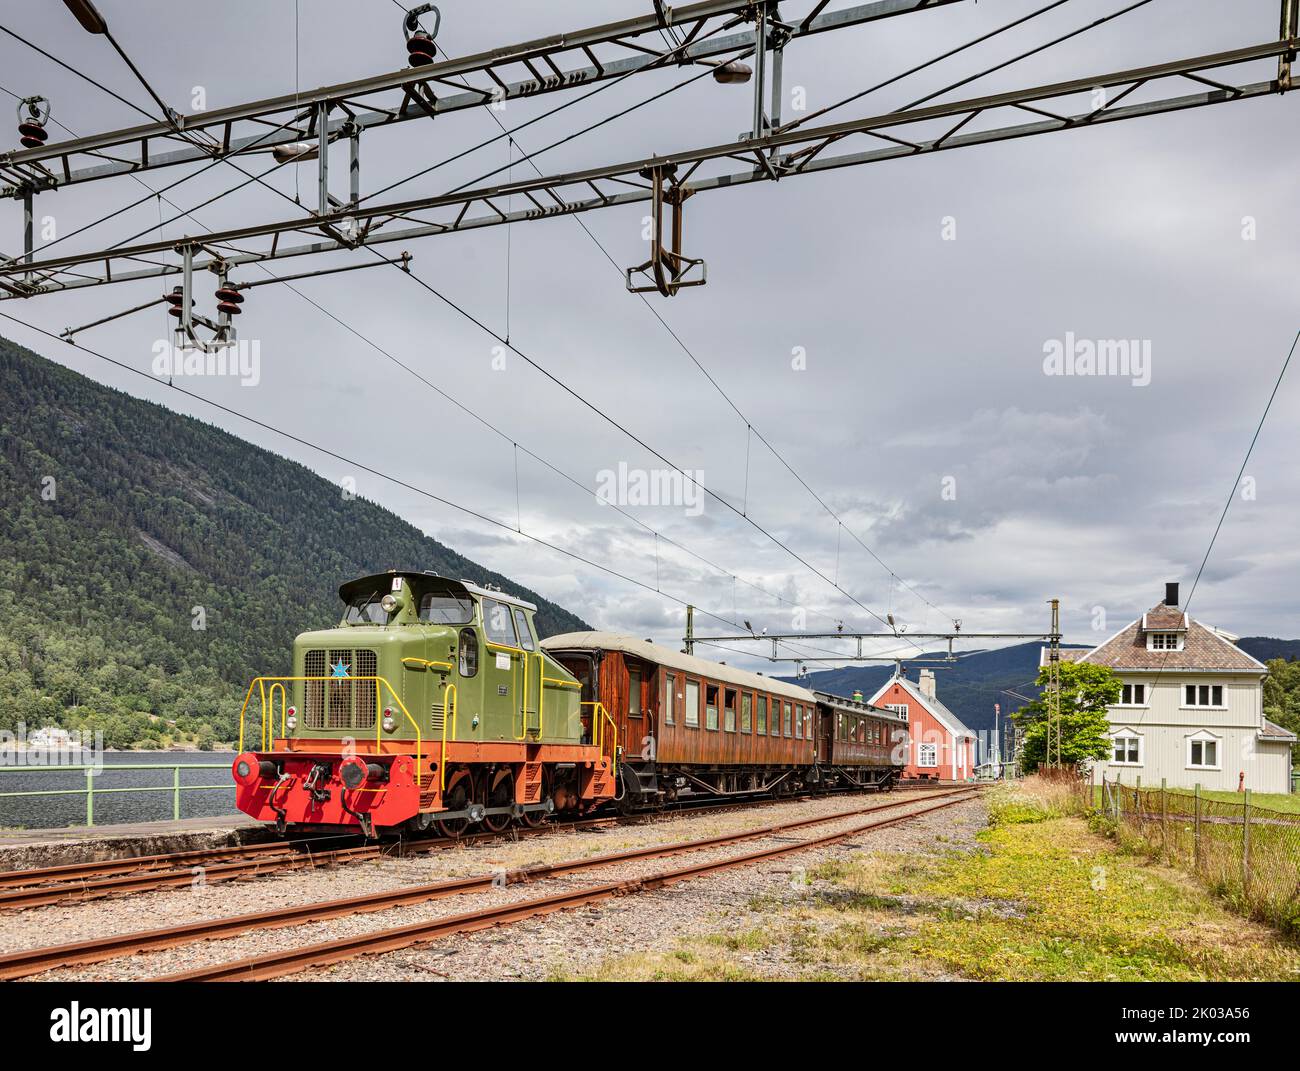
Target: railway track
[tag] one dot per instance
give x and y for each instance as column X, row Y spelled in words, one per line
column 79, row 882
column 35, row 961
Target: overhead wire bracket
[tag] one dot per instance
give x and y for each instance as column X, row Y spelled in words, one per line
column 668, row 267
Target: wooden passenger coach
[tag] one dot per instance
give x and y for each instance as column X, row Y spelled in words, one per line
column 690, row 726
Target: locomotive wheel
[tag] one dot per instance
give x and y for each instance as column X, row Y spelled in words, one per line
column 459, row 795
column 534, row 819
column 501, row 794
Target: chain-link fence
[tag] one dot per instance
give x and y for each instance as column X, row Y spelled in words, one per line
column 1249, row 855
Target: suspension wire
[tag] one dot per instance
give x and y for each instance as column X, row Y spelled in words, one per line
column 1232, row 494
column 793, row 124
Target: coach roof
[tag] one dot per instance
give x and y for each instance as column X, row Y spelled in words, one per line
column 670, row 659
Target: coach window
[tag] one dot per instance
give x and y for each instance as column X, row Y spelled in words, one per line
column 746, row 712
column 634, row 693
column 692, row 717
column 711, row 707
column 670, row 699
column 789, row 720
column 729, row 710
column 762, row 715
column 798, row 722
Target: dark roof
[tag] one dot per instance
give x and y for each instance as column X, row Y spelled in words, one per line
column 1203, row 648
column 1272, row 729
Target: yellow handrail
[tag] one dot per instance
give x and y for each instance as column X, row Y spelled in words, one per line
column 449, row 701
column 599, row 716
column 446, row 666
column 278, row 682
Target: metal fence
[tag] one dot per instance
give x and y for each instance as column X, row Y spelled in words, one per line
column 174, row 786
column 1249, row 855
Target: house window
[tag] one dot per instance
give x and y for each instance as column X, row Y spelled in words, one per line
column 1133, row 695
column 746, row 712
column 729, row 710
column 1203, row 753
column 762, row 715
column 1164, row 641
column 692, row 704
column 927, row 754
column 1203, row 695
column 634, row 693
column 670, row 697
column 897, row 708
column 711, row 707
column 1126, row 750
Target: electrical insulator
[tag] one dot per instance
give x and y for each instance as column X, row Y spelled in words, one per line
column 420, row 49
column 228, row 300
column 176, row 299
column 33, row 113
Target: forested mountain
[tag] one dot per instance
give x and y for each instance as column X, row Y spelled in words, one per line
column 119, row 517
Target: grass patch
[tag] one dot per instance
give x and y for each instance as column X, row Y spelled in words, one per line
column 1041, row 900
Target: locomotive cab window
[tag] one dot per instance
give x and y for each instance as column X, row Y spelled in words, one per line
column 498, row 625
column 525, row 634
column 467, row 656
column 368, row 610
column 440, row 608
column 729, row 710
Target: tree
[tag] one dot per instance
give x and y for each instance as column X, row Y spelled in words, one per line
column 1085, row 693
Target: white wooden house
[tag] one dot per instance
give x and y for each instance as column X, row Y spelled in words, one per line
column 1191, row 711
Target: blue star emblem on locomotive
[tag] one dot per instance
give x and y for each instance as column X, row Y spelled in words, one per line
column 339, row 669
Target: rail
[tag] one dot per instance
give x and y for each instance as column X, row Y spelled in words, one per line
column 267, row 686
column 176, row 788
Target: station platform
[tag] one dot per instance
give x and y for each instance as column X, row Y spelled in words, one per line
column 21, row 848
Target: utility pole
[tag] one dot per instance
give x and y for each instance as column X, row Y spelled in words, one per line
column 690, row 630
column 1054, row 688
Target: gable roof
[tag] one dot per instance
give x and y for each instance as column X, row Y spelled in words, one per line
column 1203, row 648
column 946, row 717
column 1068, row 654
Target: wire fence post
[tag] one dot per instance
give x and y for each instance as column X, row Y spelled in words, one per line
column 90, row 795
column 1245, row 846
column 1164, row 816
column 1196, row 830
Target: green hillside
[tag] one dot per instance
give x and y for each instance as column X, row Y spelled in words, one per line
column 153, row 514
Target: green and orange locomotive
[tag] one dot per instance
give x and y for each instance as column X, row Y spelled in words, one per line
column 432, row 703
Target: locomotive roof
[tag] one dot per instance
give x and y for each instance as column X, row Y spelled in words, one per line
column 666, row 656
column 425, row 580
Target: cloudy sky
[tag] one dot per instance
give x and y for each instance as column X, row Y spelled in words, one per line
column 922, row 415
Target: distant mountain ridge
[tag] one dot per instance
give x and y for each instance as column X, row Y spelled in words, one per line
column 119, row 517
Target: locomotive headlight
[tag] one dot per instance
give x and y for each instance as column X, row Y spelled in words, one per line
column 389, row 603
column 390, row 723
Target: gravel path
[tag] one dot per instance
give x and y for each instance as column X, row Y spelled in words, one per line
column 569, row 942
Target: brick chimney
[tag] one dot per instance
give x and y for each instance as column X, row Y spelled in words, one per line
column 1171, row 593
column 925, row 681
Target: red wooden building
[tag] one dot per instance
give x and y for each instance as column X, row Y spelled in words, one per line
column 940, row 747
